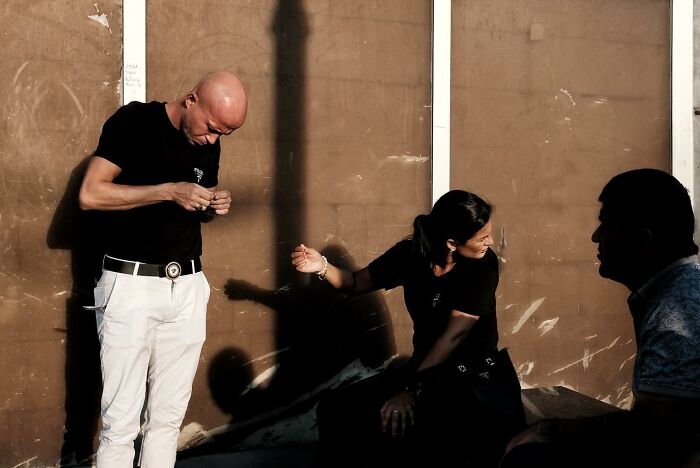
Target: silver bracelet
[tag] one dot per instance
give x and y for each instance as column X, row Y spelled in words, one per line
column 322, row 273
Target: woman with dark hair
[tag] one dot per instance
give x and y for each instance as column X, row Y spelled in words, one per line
column 457, row 401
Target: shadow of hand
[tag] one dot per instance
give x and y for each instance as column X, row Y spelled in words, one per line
column 237, row 290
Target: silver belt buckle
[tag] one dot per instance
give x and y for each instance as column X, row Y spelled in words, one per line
column 173, row 270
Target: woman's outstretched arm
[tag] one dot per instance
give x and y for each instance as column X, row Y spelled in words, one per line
column 309, row 260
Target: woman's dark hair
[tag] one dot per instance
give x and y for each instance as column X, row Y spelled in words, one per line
column 654, row 200
column 457, row 215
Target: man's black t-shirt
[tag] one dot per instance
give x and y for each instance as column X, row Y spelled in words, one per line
column 470, row 287
column 141, row 140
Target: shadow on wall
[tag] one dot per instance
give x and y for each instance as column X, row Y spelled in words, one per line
column 78, row 231
column 290, row 29
column 320, row 331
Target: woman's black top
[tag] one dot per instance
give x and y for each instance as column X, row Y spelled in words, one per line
column 470, row 287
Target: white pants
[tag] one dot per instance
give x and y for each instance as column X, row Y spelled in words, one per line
column 149, row 329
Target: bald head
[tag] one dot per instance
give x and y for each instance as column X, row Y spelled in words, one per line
column 216, row 106
column 223, row 94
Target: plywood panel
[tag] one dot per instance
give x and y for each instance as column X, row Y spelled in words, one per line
column 334, row 153
column 549, row 100
column 60, row 78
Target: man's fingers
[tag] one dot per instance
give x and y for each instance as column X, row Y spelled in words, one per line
column 395, row 415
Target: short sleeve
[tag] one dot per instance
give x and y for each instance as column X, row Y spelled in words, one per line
column 668, row 361
column 113, row 143
column 388, row 270
column 475, row 294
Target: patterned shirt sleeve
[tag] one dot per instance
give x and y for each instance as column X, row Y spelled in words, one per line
column 668, row 355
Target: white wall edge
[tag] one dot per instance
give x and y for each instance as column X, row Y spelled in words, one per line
column 134, row 51
column 682, row 151
column 442, row 42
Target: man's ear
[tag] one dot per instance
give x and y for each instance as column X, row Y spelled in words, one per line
column 190, row 99
column 451, row 245
column 643, row 240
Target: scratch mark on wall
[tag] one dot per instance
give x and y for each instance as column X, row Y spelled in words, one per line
column 587, row 356
column 265, row 356
column 525, row 368
column 528, row 313
column 508, row 306
column 547, row 325
column 408, row 158
column 589, row 338
column 620, row 390
column 75, row 99
column 261, row 379
column 19, row 72
column 25, row 462
column 626, row 361
column 503, row 242
column 568, row 94
column 626, row 403
column 601, row 100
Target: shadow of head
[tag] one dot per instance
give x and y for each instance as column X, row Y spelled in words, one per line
column 230, row 373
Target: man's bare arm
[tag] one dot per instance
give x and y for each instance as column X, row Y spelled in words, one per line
column 99, row 192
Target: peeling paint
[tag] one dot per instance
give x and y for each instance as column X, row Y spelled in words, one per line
column 547, row 325
column 100, row 18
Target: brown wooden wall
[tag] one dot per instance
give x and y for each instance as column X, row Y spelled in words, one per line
column 549, row 99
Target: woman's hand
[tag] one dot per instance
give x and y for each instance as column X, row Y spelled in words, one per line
column 307, row 260
column 397, row 414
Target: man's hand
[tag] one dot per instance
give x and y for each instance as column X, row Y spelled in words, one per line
column 191, row 197
column 221, row 202
column 397, row 414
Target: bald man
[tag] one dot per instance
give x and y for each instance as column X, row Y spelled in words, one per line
column 155, row 172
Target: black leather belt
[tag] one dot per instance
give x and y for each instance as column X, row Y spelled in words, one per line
column 171, row 270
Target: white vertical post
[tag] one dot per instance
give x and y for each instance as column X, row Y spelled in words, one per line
column 134, row 53
column 682, row 151
column 442, row 37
